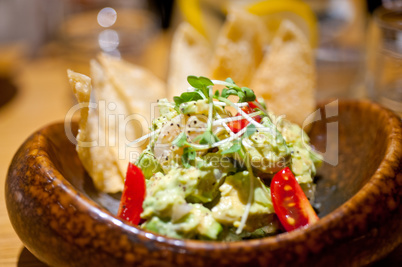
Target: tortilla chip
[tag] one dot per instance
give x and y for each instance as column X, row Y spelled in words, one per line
column 98, row 160
column 123, row 96
column 286, row 76
column 138, row 87
column 190, row 55
column 239, row 48
column 115, row 131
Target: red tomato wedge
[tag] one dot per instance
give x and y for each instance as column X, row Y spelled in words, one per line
column 252, row 105
column 238, row 125
column 290, row 203
column 133, row 195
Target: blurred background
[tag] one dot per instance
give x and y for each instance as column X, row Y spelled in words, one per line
column 358, row 52
column 76, row 30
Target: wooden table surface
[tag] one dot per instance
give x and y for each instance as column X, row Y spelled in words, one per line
column 43, row 96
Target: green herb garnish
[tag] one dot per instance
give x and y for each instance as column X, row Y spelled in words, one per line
column 187, row 97
column 189, row 155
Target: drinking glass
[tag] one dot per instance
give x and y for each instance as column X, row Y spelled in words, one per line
column 340, row 53
column 120, row 28
column 384, row 68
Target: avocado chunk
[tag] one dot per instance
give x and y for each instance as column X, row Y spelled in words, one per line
column 267, row 148
column 197, row 223
column 234, row 197
column 148, row 164
column 304, row 160
column 178, row 186
column 195, row 107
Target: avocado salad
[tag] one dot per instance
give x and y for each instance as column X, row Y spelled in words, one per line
column 207, row 170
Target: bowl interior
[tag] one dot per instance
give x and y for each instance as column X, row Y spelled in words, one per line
column 352, row 142
column 358, row 194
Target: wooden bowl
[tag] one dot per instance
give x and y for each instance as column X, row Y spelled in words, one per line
column 63, row 220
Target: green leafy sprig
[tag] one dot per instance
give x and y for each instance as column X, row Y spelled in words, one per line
column 201, row 83
column 187, row 97
column 203, row 90
column 237, row 146
column 189, row 155
column 245, row 94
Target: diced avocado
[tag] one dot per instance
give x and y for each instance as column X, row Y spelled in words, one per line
column 234, row 197
column 208, row 227
column 302, row 165
column 185, row 228
column 267, row 149
column 164, row 191
column 197, row 223
column 272, row 227
column 164, row 107
column 166, row 113
column 214, row 168
column 304, row 160
column 195, row 107
column 201, row 107
column 148, row 164
column 291, row 132
column 203, row 192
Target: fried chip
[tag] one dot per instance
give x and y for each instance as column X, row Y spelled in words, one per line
column 190, row 55
column 137, row 86
column 239, row 48
column 99, row 161
column 286, row 76
column 131, row 90
column 123, row 95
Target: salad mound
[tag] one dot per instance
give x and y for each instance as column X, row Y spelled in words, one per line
column 208, row 174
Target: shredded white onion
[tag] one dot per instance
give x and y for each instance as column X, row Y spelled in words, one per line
column 247, row 117
column 234, row 118
column 223, row 124
column 219, row 103
column 180, row 210
column 249, row 200
column 144, row 137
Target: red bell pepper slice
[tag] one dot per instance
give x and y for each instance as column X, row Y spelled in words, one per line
column 238, row 125
column 133, row 195
column 290, row 203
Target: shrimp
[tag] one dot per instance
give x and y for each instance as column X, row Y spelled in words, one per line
column 163, row 147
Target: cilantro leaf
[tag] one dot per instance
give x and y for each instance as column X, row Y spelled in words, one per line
column 200, row 83
column 245, row 94
column 229, row 80
column 248, row 94
column 193, row 81
column 205, row 81
column 180, row 140
column 207, row 138
column 177, row 100
column 224, row 93
column 186, row 97
column 241, row 95
column 229, row 91
column 233, row 149
column 189, row 155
